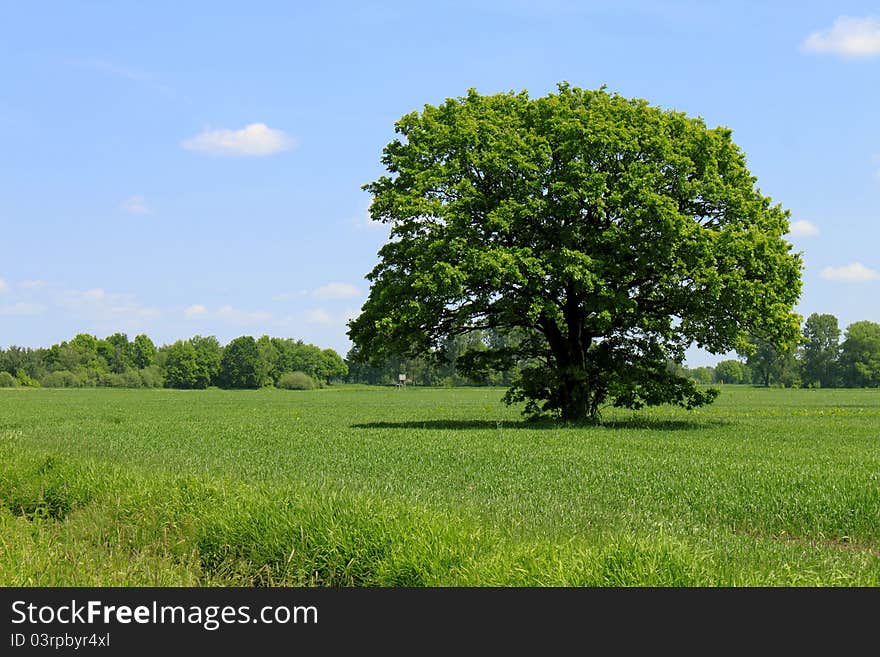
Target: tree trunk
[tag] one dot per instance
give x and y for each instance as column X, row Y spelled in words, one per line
column 577, row 399
column 579, row 396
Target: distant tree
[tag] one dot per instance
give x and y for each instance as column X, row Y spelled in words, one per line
column 332, row 367
column 182, row 367
column 267, row 364
column 285, row 348
column 821, row 350
column 143, row 351
column 704, row 374
column 86, row 344
column 730, row 371
column 80, row 356
column 117, row 352
column 239, row 366
column 34, row 362
column 360, row 370
column 11, row 359
column 769, row 364
column 860, row 355
column 306, row 358
column 209, row 354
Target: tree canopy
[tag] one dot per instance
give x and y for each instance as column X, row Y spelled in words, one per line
column 610, row 233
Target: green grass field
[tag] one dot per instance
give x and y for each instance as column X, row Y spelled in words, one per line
column 358, row 486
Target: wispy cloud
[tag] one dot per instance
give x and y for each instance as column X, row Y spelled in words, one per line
column 325, row 292
column 336, row 291
column 194, row 311
column 135, row 205
column 848, row 37
column 852, row 273
column 803, row 228
column 110, row 68
column 237, row 316
column 23, row 308
column 227, row 314
column 124, row 72
column 255, row 139
column 97, row 304
column 3, row 286
column 318, row 316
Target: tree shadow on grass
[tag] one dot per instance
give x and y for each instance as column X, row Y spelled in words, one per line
column 480, row 425
column 640, row 424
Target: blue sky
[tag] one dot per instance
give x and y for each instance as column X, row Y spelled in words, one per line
column 196, row 168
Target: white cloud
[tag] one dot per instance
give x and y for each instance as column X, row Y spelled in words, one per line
column 194, row 311
column 135, row 205
column 33, row 285
column 848, row 37
column 336, row 291
column 318, row 316
column 289, row 296
column 803, row 228
column 95, row 294
column 23, row 308
column 255, row 139
column 852, row 273
column 3, row 286
column 97, row 304
column 230, row 314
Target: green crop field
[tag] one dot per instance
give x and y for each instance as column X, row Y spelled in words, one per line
column 360, row 486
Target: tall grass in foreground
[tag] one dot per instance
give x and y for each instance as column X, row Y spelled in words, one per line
column 376, row 487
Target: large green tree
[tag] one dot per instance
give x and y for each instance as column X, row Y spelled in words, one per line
column 612, row 233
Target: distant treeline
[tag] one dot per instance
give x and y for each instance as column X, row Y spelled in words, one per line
column 200, row 362
column 820, row 360
column 440, row 370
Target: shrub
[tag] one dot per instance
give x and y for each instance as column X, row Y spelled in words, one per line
column 131, row 379
column 7, row 380
column 296, row 381
column 61, row 379
column 108, row 380
column 26, row 380
column 151, row 377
